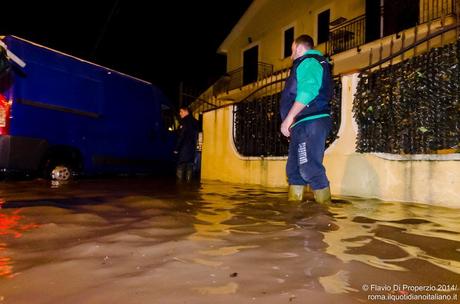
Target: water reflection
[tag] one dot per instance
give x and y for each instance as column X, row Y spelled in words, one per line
column 213, row 243
column 393, row 237
column 6, row 268
column 210, row 218
column 12, row 225
column 386, row 235
column 260, row 228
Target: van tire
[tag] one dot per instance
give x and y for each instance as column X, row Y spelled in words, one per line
column 61, row 164
column 61, row 173
column 58, row 171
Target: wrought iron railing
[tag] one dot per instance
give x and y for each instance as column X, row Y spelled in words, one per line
column 256, row 129
column 412, row 107
column 433, row 9
column 346, row 36
column 235, row 79
column 352, row 34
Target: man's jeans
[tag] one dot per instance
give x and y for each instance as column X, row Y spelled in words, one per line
column 306, row 152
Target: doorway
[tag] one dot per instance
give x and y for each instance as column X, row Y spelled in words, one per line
column 250, row 65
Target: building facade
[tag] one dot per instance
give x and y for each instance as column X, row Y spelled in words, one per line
column 361, row 37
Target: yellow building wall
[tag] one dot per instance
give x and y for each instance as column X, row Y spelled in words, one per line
column 434, row 182
column 222, row 162
column 267, row 27
column 351, row 60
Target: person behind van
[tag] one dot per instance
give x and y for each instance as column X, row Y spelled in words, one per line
column 186, row 145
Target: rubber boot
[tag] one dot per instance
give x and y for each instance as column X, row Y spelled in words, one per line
column 189, row 174
column 322, row 195
column 295, row 192
column 179, row 173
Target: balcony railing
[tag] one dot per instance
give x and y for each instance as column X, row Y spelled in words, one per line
column 235, row 79
column 352, row 34
column 346, row 36
column 433, row 9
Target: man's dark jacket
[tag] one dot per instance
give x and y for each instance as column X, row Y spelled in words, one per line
column 187, row 139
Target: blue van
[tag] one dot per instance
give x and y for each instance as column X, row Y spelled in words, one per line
column 60, row 115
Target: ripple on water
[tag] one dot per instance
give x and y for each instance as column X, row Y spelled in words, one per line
column 144, row 239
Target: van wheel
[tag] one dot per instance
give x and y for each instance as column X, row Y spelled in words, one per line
column 58, row 171
column 61, row 173
column 61, row 164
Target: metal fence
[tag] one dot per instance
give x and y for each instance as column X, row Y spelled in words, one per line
column 352, row 34
column 433, row 9
column 346, row 36
column 256, row 129
column 235, row 79
column 412, row 107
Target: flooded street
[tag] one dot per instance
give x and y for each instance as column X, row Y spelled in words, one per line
column 149, row 241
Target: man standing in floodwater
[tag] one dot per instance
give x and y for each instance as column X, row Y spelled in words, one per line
column 305, row 112
column 186, row 145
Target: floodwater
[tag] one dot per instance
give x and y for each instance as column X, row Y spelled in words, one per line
column 150, row 241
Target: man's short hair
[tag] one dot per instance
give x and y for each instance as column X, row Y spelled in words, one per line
column 305, row 40
column 185, row 108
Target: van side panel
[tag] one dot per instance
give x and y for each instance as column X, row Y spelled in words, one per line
column 112, row 119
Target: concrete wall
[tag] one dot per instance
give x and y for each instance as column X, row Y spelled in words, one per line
column 428, row 179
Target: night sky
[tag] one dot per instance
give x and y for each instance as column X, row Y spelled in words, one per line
column 164, row 42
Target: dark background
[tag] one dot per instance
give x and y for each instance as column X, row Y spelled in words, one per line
column 164, row 42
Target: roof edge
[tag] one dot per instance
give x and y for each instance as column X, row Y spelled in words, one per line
column 79, row 59
column 255, row 6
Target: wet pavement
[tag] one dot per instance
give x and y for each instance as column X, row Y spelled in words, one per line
column 151, row 241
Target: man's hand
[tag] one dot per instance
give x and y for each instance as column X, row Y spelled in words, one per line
column 297, row 107
column 286, row 125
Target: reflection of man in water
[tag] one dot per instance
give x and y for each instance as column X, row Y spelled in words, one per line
column 186, row 145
